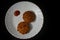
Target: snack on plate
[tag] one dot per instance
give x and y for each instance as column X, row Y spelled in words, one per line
column 29, row 16
column 23, row 27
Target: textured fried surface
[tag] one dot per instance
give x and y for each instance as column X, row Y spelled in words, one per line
column 23, row 27
column 29, row 16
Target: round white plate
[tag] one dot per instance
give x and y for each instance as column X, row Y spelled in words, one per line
column 12, row 21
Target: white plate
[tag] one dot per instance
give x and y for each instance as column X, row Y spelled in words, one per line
column 12, row 21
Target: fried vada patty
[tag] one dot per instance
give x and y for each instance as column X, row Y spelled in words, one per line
column 23, row 27
column 29, row 16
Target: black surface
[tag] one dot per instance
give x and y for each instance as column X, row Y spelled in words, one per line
column 4, row 6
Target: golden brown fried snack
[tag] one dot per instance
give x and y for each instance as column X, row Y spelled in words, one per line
column 29, row 16
column 23, row 27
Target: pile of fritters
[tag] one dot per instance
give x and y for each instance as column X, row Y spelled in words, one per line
column 28, row 17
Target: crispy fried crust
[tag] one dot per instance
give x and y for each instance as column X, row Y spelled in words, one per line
column 29, row 16
column 23, row 27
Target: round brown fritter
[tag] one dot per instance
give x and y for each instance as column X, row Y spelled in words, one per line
column 29, row 16
column 23, row 27
column 16, row 13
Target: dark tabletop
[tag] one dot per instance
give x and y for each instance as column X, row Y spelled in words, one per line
column 6, row 4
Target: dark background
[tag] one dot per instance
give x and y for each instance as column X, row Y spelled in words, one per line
column 6, row 4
